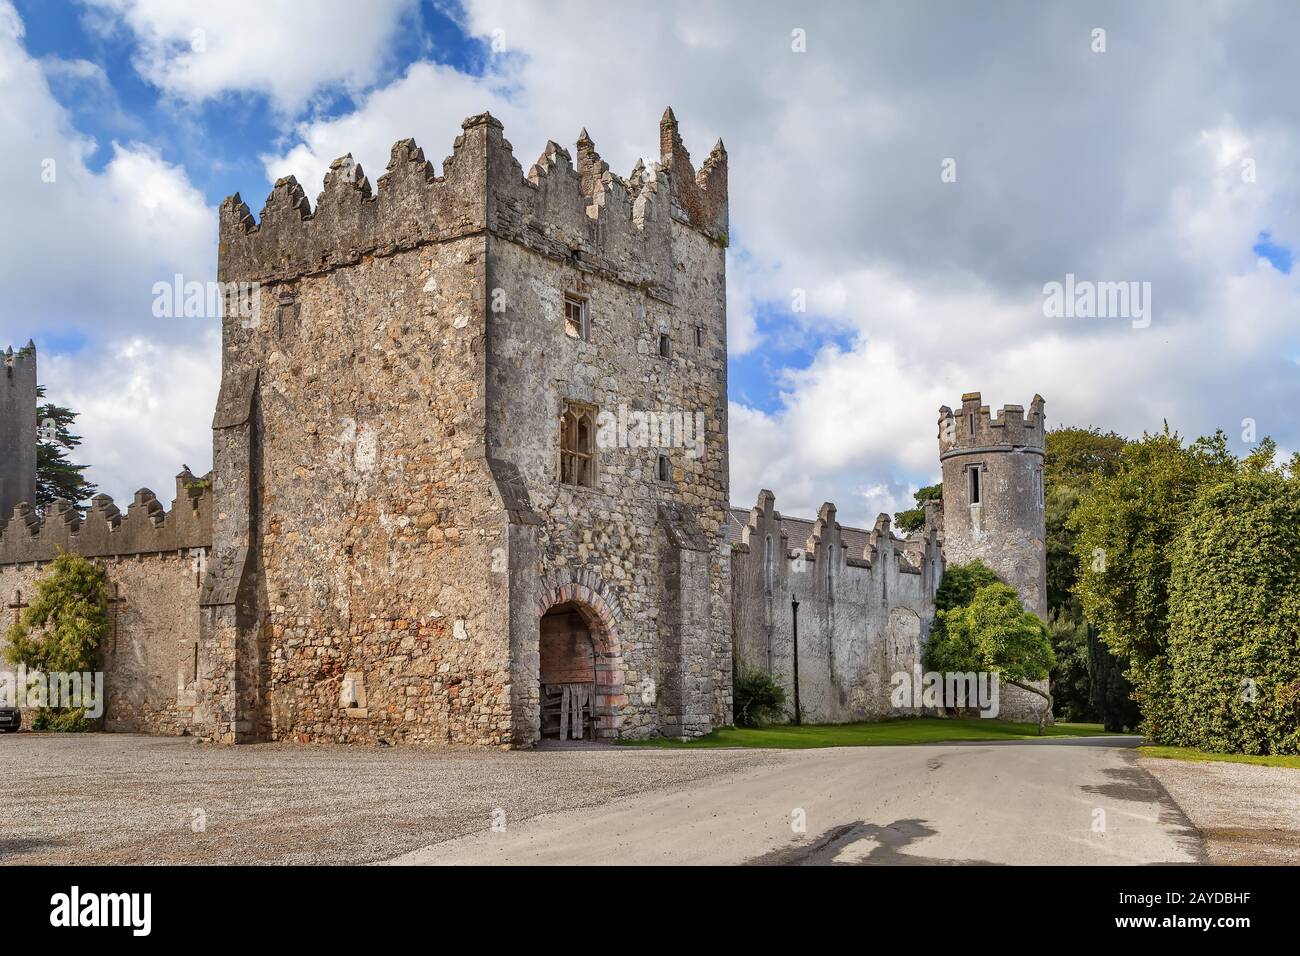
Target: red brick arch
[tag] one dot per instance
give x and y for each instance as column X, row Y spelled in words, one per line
column 601, row 609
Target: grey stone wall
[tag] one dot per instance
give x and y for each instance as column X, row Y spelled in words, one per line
column 17, row 429
column 866, row 601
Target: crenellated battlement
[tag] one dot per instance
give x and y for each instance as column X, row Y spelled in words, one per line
column 576, row 211
column 973, row 426
column 18, row 363
column 800, row 539
column 146, row 528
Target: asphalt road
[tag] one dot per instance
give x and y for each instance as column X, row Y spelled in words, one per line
column 1071, row 802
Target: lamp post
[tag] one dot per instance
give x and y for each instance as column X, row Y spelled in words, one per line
column 794, row 612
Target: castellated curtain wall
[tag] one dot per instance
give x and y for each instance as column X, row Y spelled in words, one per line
column 155, row 561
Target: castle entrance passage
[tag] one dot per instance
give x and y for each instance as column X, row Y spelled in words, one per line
column 568, row 675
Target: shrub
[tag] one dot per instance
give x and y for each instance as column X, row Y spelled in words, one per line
column 61, row 631
column 757, row 698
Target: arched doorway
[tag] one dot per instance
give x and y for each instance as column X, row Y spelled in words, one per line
column 568, row 674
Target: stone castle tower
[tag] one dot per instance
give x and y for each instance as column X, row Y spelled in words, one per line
column 993, row 505
column 17, row 428
column 414, row 536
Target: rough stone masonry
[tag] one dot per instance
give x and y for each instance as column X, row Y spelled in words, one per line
column 421, row 526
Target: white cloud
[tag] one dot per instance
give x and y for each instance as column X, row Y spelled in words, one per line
column 143, row 411
column 201, row 49
column 78, row 261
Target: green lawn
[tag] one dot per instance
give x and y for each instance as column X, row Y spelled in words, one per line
column 1191, row 753
column 909, row 730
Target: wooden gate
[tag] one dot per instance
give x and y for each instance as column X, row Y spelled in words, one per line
column 568, row 675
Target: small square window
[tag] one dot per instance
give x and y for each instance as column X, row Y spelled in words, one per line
column 575, row 318
column 665, row 345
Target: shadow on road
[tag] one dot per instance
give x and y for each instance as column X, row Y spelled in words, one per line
column 862, row 844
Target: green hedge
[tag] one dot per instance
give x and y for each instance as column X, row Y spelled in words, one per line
column 1233, row 657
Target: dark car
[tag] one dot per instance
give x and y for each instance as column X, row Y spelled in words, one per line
column 11, row 719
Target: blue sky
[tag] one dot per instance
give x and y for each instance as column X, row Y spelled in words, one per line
column 1129, row 164
column 218, row 140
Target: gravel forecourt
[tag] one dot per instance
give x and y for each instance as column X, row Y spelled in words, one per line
column 116, row 798
column 1248, row 814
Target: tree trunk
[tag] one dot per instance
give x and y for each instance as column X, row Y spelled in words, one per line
column 1046, row 695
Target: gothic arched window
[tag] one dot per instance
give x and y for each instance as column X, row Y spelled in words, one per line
column 578, row 446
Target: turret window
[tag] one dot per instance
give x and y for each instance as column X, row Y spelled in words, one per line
column 973, row 480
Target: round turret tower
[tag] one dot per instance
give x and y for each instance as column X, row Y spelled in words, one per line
column 993, row 506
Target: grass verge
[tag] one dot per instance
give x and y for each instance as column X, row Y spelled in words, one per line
column 909, row 730
column 1191, row 753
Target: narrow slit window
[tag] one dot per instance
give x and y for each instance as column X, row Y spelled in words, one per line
column 665, row 345
column 664, row 469
column 699, row 336
column 975, row 485
column 768, row 568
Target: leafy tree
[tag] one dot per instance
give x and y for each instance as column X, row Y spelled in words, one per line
column 1125, row 527
column 994, row 632
column 61, row 630
column 1072, row 677
column 960, row 584
column 56, row 475
column 913, row 519
column 1077, row 456
column 1062, row 562
column 1111, row 694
